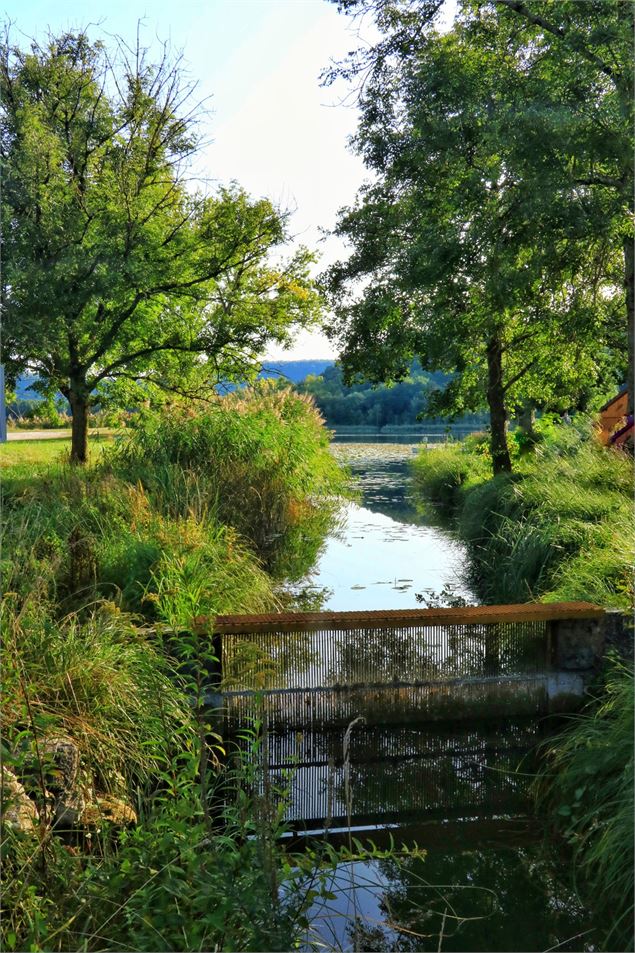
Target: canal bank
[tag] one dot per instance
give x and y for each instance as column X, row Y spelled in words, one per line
column 481, row 871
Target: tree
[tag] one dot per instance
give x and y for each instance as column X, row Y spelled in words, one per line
column 115, row 268
column 486, row 253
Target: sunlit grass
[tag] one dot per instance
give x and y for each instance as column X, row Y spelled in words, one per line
column 559, row 528
column 41, row 453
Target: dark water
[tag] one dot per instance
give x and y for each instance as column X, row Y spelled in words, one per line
column 479, row 871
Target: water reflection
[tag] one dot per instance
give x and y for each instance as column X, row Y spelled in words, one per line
column 404, row 775
column 385, row 552
column 487, row 882
column 504, row 898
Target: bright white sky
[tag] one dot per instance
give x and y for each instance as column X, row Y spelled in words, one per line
column 270, row 125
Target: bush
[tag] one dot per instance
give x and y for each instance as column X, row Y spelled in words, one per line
column 255, row 460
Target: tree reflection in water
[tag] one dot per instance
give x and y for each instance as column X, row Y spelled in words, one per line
column 505, row 899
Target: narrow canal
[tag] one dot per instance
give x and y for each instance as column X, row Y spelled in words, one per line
column 386, row 554
column 481, row 872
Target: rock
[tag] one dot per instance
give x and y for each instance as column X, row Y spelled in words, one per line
column 17, row 810
column 110, row 809
column 60, row 764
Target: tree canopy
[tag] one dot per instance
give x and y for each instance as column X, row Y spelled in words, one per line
column 493, row 238
column 116, row 267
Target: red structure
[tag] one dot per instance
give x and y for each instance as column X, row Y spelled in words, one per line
column 615, row 427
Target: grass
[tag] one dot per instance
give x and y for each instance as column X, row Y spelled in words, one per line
column 103, row 568
column 23, row 460
column 559, row 528
column 257, row 460
column 588, row 786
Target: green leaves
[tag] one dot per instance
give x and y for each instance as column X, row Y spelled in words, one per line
column 113, row 267
column 497, row 209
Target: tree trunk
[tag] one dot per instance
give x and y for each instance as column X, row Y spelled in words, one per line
column 79, row 434
column 629, row 282
column 501, row 461
column 527, row 419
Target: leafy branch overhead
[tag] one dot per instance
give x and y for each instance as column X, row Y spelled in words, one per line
column 495, row 238
column 115, row 265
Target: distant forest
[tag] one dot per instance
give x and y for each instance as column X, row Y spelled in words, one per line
column 381, row 406
column 362, row 405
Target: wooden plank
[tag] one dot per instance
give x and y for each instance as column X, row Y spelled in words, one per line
column 395, row 618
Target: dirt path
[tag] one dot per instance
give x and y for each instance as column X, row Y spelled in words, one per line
column 51, row 434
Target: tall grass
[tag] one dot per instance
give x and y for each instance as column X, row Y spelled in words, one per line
column 560, row 527
column 102, row 683
column 587, row 785
column 191, row 514
column 257, row 460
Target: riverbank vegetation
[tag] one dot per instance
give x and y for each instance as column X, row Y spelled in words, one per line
column 111, row 767
column 561, row 529
column 588, row 786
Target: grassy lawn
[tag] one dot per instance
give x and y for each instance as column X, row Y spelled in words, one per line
column 19, row 455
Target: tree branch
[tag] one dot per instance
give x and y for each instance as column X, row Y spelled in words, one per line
column 518, row 6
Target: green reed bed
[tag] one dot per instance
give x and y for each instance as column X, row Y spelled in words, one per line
column 587, row 784
column 258, row 460
column 103, row 569
column 559, row 527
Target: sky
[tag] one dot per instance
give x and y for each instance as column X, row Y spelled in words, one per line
column 268, row 124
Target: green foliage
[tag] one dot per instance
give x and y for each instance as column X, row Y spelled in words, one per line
column 441, row 474
column 561, row 526
column 152, row 527
column 588, row 785
column 101, row 682
column 117, row 276
column 495, row 232
column 362, row 404
column 258, row 460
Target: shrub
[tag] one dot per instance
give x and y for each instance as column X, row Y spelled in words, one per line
column 256, row 460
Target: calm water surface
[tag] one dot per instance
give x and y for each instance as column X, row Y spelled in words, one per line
column 484, row 875
column 385, row 553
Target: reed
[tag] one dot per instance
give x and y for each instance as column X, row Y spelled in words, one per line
column 558, row 528
column 258, row 460
column 587, row 785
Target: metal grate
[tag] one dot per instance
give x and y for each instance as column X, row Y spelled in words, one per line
column 329, row 667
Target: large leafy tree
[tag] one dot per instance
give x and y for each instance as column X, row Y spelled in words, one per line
column 486, row 243
column 114, row 267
